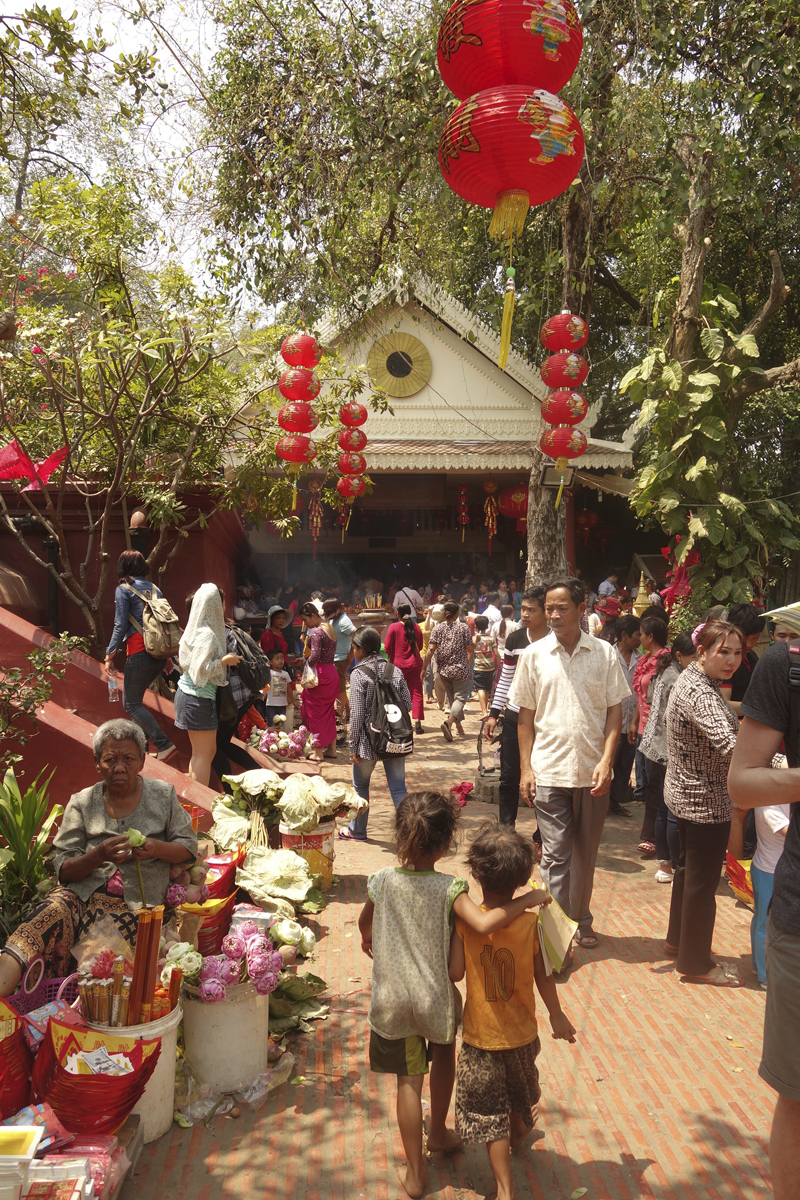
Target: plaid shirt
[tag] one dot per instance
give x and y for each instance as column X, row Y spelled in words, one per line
column 362, row 689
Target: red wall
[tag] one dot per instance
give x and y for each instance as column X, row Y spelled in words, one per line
column 218, row 554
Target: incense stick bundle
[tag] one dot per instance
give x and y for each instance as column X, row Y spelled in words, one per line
column 124, row 1002
column 149, row 989
column 140, row 961
column 175, row 980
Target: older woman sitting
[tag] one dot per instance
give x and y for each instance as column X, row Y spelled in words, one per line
column 95, row 865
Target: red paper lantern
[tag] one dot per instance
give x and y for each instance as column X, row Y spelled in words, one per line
column 301, row 350
column 297, row 417
column 587, row 519
column 564, row 408
column 564, row 332
column 352, row 464
column 563, row 442
column 535, row 43
column 353, row 414
column 513, row 501
column 350, row 486
column 564, row 370
column 296, row 449
column 352, row 439
column 509, row 147
column 490, row 486
column 299, row 383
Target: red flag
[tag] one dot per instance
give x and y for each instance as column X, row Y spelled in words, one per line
column 14, row 462
column 43, row 470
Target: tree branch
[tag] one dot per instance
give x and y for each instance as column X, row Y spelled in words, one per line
column 774, row 377
column 778, row 293
column 604, row 277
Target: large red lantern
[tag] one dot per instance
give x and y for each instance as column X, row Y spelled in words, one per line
column 299, row 383
column 564, row 408
column 536, row 43
column 513, row 501
column 298, row 417
column 509, row 147
column 352, row 439
column 350, row 486
column 564, row 370
column 295, row 450
column 301, row 350
column 564, row 332
column 353, row 414
column 563, row 443
column 352, row 464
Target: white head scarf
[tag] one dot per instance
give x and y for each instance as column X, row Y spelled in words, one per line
column 203, row 642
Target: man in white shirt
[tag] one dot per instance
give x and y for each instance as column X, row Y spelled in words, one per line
column 492, row 609
column 408, row 595
column 609, row 585
column 630, row 639
column 569, row 688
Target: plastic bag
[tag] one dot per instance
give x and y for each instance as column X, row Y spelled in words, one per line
column 196, row 1101
column 262, row 1085
column 55, row 1135
column 309, row 678
column 104, row 935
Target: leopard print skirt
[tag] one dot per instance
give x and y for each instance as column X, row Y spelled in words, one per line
column 491, row 1084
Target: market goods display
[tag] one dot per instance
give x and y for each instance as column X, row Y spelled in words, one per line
column 300, row 743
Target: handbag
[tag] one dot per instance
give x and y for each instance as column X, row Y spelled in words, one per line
column 309, row 678
column 227, row 709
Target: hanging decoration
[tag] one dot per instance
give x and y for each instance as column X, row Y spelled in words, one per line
column 299, row 385
column 297, row 417
column 564, row 408
column 315, row 486
column 490, row 510
column 511, row 142
column 301, row 350
column 353, row 414
column 513, row 503
column 352, row 439
column 462, row 515
column 351, row 464
column 585, row 522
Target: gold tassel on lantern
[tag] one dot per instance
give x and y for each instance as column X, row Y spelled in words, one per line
column 561, row 465
column 508, row 217
column 508, row 317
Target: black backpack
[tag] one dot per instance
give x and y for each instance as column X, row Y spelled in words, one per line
column 790, row 742
column 253, row 670
column 388, row 727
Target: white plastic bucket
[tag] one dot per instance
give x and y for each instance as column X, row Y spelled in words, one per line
column 226, row 1042
column 157, row 1102
column 317, row 848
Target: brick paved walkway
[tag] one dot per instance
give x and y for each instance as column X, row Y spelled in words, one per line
column 658, row 1098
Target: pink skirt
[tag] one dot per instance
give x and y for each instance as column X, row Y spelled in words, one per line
column 413, row 678
column 317, row 705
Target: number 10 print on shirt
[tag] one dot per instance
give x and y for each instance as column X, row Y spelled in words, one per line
column 498, row 973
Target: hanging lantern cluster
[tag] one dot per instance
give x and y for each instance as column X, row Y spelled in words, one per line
column 298, row 385
column 351, row 464
column 564, row 408
column 490, row 510
column 585, row 522
column 512, row 142
column 462, row 515
column 315, row 486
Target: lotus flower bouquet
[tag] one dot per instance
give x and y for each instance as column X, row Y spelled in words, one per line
column 299, row 744
column 247, row 957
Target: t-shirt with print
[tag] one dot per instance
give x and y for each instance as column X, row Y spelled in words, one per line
column 411, row 927
column 767, row 701
column 451, row 639
column 484, row 659
column 500, row 1013
column 277, row 696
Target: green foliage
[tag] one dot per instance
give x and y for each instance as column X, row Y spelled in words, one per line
column 25, row 825
column 693, row 481
column 23, row 693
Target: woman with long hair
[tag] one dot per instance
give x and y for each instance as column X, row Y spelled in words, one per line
column 701, row 735
column 655, row 635
column 140, row 667
column 203, row 659
column 318, row 708
column 402, row 645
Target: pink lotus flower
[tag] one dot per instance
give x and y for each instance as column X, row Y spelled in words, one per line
column 211, row 968
column 176, row 894
column 212, row 991
column 233, row 945
column 230, row 971
column 266, row 984
column 258, row 944
column 246, row 929
column 258, row 965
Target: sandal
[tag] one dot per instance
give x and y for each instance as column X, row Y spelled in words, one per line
column 647, row 848
column 587, row 940
column 448, row 736
column 723, row 975
column 348, row 836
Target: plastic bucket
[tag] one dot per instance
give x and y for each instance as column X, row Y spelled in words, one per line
column 157, row 1102
column 316, row 848
column 226, row 1042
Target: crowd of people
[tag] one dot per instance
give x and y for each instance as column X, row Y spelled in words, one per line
column 594, row 708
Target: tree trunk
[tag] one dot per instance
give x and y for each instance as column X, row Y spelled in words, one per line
column 576, row 247
column 547, row 551
column 686, row 318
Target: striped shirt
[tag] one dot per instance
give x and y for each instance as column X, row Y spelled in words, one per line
column 516, row 642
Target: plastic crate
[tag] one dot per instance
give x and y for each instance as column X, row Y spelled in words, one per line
column 47, row 991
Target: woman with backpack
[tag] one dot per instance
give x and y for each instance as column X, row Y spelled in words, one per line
column 141, row 668
column 363, row 679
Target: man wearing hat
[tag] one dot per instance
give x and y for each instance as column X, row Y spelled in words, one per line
column 785, row 623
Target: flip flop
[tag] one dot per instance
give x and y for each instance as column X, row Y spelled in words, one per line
column 723, row 975
column 587, row 940
column 347, row 836
column 619, row 811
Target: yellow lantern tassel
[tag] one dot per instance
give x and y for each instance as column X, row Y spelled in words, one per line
column 508, row 217
column 561, row 464
column 508, row 317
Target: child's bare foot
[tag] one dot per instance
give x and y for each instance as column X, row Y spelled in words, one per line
column 412, row 1184
column 447, row 1144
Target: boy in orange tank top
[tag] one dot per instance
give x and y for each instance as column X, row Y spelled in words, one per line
column 497, row 1081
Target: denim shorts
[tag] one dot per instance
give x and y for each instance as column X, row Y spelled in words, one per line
column 195, row 712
